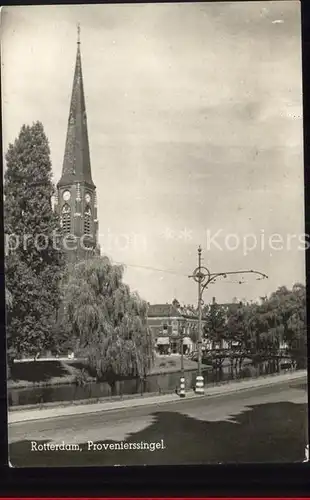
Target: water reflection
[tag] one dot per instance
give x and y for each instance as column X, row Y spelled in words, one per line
column 70, row 392
column 160, row 384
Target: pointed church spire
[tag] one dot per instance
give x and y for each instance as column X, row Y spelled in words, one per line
column 76, row 163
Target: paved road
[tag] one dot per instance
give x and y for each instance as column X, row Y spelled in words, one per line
column 258, row 425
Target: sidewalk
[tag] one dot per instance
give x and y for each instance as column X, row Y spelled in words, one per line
column 75, row 409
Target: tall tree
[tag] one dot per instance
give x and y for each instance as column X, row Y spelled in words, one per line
column 292, row 308
column 215, row 324
column 34, row 259
column 240, row 318
column 215, row 331
column 283, row 319
column 269, row 332
column 108, row 321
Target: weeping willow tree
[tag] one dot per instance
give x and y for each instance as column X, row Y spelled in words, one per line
column 108, row 321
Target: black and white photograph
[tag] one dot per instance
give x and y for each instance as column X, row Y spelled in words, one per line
column 154, row 234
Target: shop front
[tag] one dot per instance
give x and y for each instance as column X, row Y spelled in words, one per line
column 187, row 345
column 163, row 345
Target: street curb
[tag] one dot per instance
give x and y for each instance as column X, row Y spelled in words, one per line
column 84, row 402
column 170, row 398
column 130, row 397
column 268, row 383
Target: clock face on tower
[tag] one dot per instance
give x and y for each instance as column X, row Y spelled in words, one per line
column 66, row 195
column 87, row 198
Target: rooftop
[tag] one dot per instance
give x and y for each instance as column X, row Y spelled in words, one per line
column 170, row 310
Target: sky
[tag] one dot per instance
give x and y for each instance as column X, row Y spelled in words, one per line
column 195, row 130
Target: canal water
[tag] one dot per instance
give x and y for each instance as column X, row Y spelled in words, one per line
column 157, row 383
column 162, row 383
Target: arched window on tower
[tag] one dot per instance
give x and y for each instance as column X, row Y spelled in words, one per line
column 66, row 219
column 87, row 220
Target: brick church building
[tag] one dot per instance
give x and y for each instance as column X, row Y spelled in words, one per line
column 76, row 201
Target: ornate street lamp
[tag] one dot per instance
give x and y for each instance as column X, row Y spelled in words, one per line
column 204, row 277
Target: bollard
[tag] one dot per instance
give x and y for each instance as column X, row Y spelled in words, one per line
column 306, row 454
column 182, row 387
column 199, row 385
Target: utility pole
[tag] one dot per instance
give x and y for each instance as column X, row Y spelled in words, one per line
column 199, row 379
column 204, row 277
column 182, row 379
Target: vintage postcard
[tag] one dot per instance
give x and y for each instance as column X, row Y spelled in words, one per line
column 154, row 234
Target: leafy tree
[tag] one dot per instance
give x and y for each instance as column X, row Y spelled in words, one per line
column 269, row 331
column 108, row 321
column 216, row 332
column 296, row 336
column 263, row 328
column 215, row 324
column 259, row 330
column 8, row 306
column 176, row 303
column 240, row 330
column 292, row 306
column 33, row 263
column 285, row 311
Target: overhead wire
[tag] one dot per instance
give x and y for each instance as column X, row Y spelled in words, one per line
column 150, row 268
column 169, row 271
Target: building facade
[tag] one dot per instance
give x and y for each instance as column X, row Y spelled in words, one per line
column 170, row 325
column 170, row 322
column 76, row 200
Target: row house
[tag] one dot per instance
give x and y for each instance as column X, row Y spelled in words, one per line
column 170, row 324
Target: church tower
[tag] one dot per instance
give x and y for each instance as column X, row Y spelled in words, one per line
column 76, row 192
